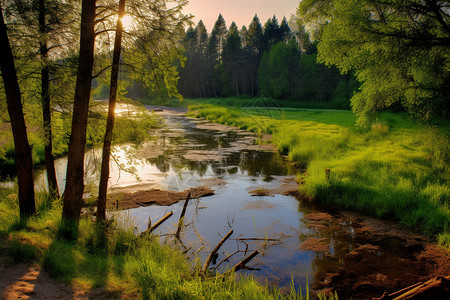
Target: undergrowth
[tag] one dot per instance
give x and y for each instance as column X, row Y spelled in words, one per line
column 395, row 169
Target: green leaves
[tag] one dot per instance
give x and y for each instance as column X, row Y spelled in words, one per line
column 398, row 49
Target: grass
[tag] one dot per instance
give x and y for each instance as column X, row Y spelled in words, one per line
column 394, row 170
column 116, row 260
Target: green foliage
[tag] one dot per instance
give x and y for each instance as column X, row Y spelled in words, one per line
column 394, row 170
column 397, row 49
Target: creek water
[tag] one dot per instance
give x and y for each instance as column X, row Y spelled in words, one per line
column 189, row 153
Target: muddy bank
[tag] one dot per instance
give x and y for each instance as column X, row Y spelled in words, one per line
column 361, row 257
column 154, row 197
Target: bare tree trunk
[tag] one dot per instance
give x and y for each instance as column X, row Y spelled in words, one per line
column 73, row 194
column 23, row 158
column 104, row 176
column 45, row 98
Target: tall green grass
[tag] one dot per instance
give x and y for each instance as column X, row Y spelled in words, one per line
column 395, row 170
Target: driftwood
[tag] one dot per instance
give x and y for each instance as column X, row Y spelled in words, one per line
column 162, row 220
column 183, row 212
column 229, row 256
column 214, row 251
column 435, row 288
column 242, row 264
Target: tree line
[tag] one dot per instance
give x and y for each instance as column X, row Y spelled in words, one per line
column 277, row 60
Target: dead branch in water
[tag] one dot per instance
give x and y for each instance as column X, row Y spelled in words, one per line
column 213, row 252
column 228, row 257
column 183, row 212
column 435, row 288
column 242, row 264
column 162, row 220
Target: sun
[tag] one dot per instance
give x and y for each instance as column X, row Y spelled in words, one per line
column 127, row 22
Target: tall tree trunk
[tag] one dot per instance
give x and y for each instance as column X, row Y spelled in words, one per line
column 23, row 158
column 236, row 82
column 45, row 98
column 73, row 194
column 104, row 176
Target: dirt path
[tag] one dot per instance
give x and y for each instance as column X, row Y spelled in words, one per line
column 25, row 281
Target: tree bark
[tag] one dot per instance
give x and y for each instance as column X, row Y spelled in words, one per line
column 73, row 194
column 104, row 175
column 45, row 98
column 23, row 158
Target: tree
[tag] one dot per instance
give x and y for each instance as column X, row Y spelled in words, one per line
column 41, row 27
column 272, row 33
column 254, row 50
column 73, row 194
column 215, row 48
column 285, row 31
column 397, row 49
column 278, row 70
column 232, row 57
column 23, row 159
column 106, row 153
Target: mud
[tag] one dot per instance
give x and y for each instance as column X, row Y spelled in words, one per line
column 123, row 201
column 378, row 255
column 288, row 186
column 316, row 245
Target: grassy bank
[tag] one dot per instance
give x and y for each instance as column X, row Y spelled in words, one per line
column 115, row 260
column 394, row 170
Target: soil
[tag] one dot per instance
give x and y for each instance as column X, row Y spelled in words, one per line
column 155, row 197
column 371, row 243
column 316, row 245
column 25, row 281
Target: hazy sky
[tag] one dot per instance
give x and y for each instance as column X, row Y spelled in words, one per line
column 240, row 11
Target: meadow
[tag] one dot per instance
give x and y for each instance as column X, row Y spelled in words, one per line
column 396, row 169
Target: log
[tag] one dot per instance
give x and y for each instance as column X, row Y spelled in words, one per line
column 162, row 220
column 214, row 251
column 242, row 264
column 435, row 288
column 183, row 212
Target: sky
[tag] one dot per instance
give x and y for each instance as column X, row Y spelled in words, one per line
column 240, row 11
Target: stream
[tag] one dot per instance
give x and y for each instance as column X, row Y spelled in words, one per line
column 298, row 242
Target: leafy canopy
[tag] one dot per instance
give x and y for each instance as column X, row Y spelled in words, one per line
column 399, row 50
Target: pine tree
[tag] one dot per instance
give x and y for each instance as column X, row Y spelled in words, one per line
column 232, row 58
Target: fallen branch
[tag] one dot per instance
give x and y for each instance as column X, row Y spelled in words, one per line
column 228, row 257
column 242, row 264
column 162, row 220
column 435, row 288
column 213, row 252
column 183, row 212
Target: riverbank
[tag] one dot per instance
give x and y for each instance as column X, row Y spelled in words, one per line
column 394, row 170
